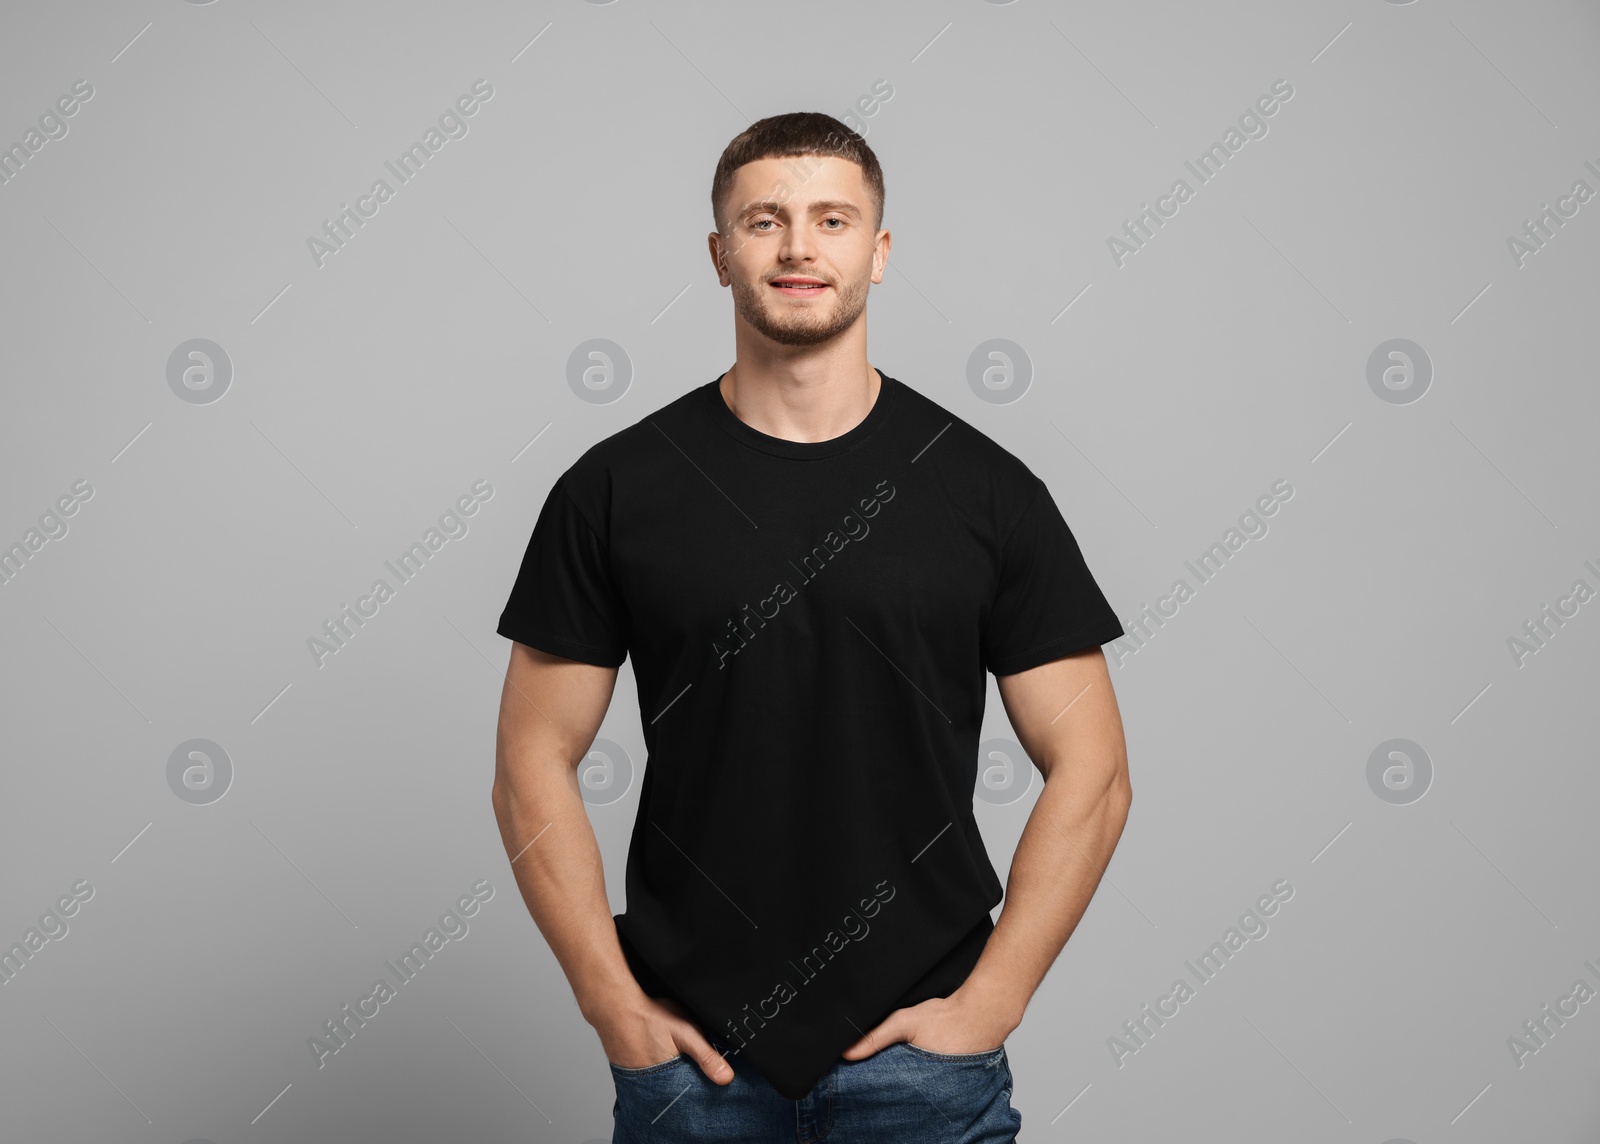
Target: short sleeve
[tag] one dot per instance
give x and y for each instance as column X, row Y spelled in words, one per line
column 565, row 601
column 1047, row 604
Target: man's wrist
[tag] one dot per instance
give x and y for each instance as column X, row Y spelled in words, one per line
column 1000, row 998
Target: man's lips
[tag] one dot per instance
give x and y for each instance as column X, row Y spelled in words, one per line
column 798, row 287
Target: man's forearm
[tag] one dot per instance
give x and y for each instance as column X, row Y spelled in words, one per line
column 556, row 862
column 1063, row 851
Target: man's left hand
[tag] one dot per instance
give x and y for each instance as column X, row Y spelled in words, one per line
column 959, row 1023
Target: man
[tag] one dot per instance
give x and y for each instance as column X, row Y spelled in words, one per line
column 812, row 566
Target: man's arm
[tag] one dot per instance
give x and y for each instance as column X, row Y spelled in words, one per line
column 1066, row 717
column 550, row 710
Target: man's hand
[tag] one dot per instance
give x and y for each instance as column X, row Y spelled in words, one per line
column 641, row 1031
column 959, row 1023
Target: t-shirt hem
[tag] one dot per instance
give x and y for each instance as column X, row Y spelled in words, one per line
column 565, row 648
column 1102, row 632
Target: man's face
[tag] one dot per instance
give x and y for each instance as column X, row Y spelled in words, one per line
column 788, row 220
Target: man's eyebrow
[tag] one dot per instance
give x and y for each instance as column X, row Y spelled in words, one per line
column 772, row 206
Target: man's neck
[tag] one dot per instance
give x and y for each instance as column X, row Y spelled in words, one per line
column 804, row 401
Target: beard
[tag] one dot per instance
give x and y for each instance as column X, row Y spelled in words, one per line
column 799, row 325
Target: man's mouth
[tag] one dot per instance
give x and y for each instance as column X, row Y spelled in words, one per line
column 799, row 287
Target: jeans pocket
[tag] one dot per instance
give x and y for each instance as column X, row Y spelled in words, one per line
column 984, row 1057
column 648, row 1070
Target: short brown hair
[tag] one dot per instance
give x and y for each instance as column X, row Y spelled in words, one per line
column 793, row 134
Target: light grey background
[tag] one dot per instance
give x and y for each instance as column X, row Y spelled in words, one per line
column 1167, row 395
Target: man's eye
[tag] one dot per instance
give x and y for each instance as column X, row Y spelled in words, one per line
column 840, row 221
column 759, row 221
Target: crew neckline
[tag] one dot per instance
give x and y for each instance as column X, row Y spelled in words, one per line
column 802, row 450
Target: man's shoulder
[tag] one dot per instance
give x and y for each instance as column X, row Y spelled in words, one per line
column 965, row 446
column 633, row 446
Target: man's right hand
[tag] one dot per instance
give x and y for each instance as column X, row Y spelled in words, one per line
column 645, row 1031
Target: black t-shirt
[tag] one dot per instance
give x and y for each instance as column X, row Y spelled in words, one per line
column 810, row 624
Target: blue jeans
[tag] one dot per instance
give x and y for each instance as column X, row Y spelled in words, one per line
column 899, row 1093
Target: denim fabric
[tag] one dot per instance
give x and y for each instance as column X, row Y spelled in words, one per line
column 900, row 1093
